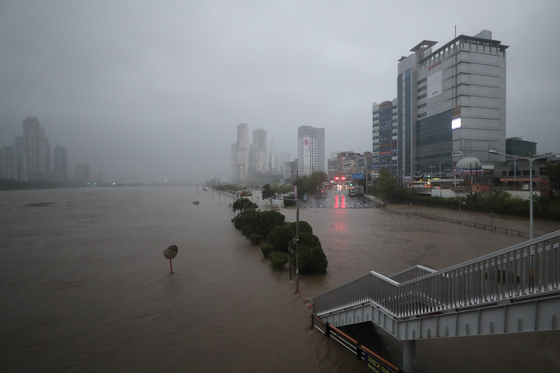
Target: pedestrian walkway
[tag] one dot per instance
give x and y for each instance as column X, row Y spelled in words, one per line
column 513, row 290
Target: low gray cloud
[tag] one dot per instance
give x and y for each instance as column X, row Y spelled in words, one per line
column 154, row 90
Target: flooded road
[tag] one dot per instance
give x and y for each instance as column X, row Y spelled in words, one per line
column 84, row 286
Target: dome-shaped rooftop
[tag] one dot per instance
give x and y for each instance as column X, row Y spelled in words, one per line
column 468, row 165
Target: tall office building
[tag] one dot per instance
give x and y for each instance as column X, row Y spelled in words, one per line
column 384, row 136
column 36, row 149
column 311, row 150
column 259, row 153
column 451, row 103
column 60, row 163
column 240, row 153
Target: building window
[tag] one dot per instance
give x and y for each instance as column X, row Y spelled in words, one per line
column 422, row 80
column 422, row 115
column 423, row 105
column 422, row 96
column 422, row 88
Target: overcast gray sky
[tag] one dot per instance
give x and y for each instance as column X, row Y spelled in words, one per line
column 153, row 90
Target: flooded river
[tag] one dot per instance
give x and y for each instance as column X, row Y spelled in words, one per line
column 84, row 287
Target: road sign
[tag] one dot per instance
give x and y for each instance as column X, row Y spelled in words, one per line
column 357, row 176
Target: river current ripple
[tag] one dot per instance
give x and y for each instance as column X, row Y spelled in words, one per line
column 84, row 287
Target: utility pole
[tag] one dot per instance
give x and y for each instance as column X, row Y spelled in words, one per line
column 297, row 236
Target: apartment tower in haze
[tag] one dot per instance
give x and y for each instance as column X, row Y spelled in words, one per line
column 311, row 150
column 240, row 153
column 258, row 153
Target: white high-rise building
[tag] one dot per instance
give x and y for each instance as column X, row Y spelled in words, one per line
column 240, row 153
column 311, row 150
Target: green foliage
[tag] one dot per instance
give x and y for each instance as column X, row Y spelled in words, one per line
column 311, row 184
column 268, row 192
column 387, row 188
column 266, row 221
column 228, row 187
column 312, row 260
column 257, row 224
column 267, row 249
column 308, row 239
column 251, row 221
column 278, row 260
column 244, row 203
column 499, row 202
column 280, row 235
column 244, row 221
column 256, row 238
column 303, row 226
column 552, row 172
column 285, row 188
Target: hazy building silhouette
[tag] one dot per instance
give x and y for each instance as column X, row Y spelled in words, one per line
column 82, row 172
column 240, row 153
column 36, row 148
column 311, row 150
column 60, row 163
column 12, row 164
column 259, row 155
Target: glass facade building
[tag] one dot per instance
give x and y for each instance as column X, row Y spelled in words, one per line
column 451, row 104
column 384, row 136
column 523, row 148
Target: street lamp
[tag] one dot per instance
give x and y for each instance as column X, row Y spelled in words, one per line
column 530, row 159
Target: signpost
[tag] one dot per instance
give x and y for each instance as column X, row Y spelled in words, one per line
column 357, row 176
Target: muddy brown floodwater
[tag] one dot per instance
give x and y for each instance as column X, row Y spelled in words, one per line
column 84, row 287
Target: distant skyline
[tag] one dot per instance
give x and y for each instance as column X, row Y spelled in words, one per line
column 153, row 91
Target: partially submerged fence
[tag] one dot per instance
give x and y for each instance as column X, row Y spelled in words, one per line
column 371, row 359
column 490, row 227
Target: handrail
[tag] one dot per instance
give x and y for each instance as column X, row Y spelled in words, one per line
column 529, row 268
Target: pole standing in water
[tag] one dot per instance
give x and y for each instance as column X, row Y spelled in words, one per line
column 170, row 252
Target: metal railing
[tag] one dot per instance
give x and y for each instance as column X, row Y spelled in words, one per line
column 490, row 227
column 515, row 273
column 411, row 273
column 371, row 359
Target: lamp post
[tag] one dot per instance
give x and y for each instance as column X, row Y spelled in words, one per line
column 530, row 159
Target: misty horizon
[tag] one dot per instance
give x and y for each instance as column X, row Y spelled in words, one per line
column 148, row 92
